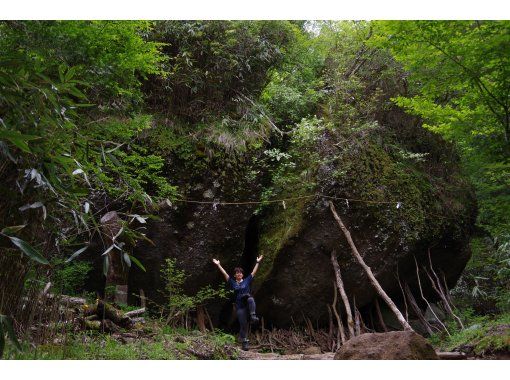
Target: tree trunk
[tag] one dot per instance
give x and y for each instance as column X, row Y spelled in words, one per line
column 368, row 271
column 340, row 285
column 201, row 319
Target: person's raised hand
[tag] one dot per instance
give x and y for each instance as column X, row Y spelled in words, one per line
column 216, row 262
column 259, row 259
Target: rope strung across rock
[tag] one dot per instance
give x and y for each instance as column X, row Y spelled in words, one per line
column 398, row 204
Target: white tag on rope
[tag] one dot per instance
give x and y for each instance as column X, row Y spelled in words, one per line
column 399, row 204
column 284, row 206
column 347, row 203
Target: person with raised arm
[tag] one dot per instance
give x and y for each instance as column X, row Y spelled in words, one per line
column 244, row 301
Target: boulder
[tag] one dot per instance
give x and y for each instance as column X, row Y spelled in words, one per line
column 194, row 233
column 418, row 207
column 431, row 209
column 394, row 345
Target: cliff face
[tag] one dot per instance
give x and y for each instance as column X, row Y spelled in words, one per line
column 417, row 201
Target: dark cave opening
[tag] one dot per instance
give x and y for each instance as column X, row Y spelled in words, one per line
column 227, row 318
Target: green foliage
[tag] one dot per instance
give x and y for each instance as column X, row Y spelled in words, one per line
column 59, row 157
column 459, row 74
column 26, row 248
column 292, row 173
column 111, row 56
column 482, row 335
column 70, row 278
column 359, row 78
column 126, row 169
column 294, row 89
column 484, row 285
column 179, row 303
column 169, row 344
column 7, row 329
column 458, row 83
column 213, row 64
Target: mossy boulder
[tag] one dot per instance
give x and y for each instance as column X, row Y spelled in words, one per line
column 399, row 199
column 406, row 197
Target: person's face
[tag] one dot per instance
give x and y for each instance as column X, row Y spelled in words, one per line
column 238, row 276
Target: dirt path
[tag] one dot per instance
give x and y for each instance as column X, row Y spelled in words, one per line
column 254, row 355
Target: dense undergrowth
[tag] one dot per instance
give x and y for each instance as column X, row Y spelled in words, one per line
column 483, row 335
column 154, row 343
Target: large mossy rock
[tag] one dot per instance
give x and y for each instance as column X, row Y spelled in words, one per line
column 394, row 345
column 413, row 200
column 417, row 201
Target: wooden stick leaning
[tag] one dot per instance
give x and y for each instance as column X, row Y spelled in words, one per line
column 340, row 332
column 368, row 271
column 343, row 295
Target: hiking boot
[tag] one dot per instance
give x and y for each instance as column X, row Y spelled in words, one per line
column 254, row 319
column 245, row 345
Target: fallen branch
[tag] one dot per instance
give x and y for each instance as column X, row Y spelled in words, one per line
column 135, row 313
column 368, row 271
column 451, row 355
column 105, row 311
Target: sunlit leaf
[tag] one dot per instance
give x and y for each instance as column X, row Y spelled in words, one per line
column 137, row 263
column 76, row 254
column 106, row 265
column 126, row 259
column 12, row 229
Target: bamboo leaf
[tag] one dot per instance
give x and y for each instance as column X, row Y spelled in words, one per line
column 28, row 250
column 10, row 333
column 12, row 229
column 118, row 233
column 106, row 264
column 108, row 250
column 137, row 263
column 76, row 254
column 126, row 259
column 35, row 205
column 70, row 73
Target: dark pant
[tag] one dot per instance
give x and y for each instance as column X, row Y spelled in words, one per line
column 243, row 315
